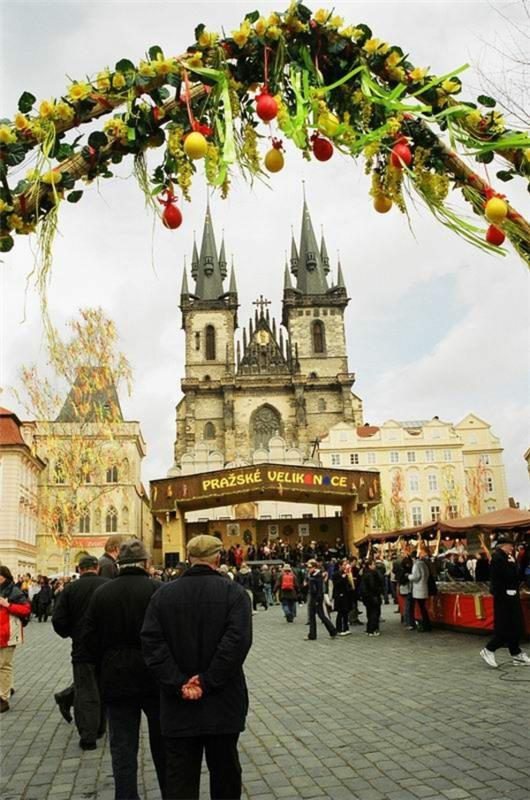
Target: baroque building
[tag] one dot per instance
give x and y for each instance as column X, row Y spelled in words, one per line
column 271, row 392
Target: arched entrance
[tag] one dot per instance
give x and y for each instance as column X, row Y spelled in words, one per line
column 355, row 491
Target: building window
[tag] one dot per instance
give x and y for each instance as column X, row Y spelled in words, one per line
column 416, row 515
column 111, row 520
column 112, row 474
column 84, row 522
column 414, row 482
column 411, row 456
column 429, row 455
column 435, row 513
column 319, row 344
column 488, row 483
column 447, row 455
column 335, row 459
column 307, row 516
column 209, row 339
column 394, row 457
column 265, row 423
column 209, row 430
column 370, row 458
column 452, row 512
column 321, row 404
column 197, row 341
column 491, row 508
column 484, row 458
column 432, row 482
column 354, row 458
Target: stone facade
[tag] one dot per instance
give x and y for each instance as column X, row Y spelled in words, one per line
column 429, row 469
column 285, row 384
column 19, row 475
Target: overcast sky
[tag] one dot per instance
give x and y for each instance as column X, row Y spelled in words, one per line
column 434, row 326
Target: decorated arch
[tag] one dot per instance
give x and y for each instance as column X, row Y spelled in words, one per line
column 280, row 83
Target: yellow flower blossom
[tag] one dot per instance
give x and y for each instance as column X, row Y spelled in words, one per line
column 274, row 19
column 418, row 74
column 118, row 80
column 116, row 129
column 64, row 112
column 376, row 46
column 336, row 22
column 497, row 122
column 321, row 16
column 103, row 81
column 79, row 91
column 15, row 221
column 207, row 39
column 7, row 135
column 21, row 122
column 273, row 33
column 163, row 66
column 349, row 32
column 46, row 109
column 474, row 118
column 52, row 178
column 5, row 207
column 195, row 59
column 392, row 60
column 261, row 26
column 146, row 70
column 450, row 86
column 240, row 36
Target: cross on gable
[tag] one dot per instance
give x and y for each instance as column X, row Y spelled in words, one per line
column 262, row 304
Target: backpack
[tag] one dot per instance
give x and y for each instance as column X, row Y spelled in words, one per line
column 287, row 581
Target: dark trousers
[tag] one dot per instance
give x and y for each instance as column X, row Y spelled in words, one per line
column 289, row 609
column 89, row 714
column 124, row 733
column 184, row 758
column 315, row 610
column 498, row 640
column 507, row 626
column 342, row 621
column 425, row 620
column 373, row 614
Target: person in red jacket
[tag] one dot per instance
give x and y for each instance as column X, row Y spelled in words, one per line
column 14, row 607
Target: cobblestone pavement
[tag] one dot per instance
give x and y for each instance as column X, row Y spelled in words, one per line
column 401, row 717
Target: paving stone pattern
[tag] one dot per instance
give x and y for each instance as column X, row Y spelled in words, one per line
column 402, row 717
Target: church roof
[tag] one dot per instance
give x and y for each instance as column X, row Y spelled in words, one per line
column 262, row 352
column 9, row 428
column 92, row 398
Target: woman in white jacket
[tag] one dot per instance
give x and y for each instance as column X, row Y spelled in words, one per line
column 419, row 579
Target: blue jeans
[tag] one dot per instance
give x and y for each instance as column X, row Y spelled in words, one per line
column 124, row 733
column 268, row 594
column 408, row 612
column 289, row 609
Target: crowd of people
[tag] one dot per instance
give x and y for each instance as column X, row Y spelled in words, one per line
column 158, row 641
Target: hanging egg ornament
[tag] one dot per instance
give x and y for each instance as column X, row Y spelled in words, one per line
column 195, row 145
column 401, row 154
column 266, row 106
column 171, row 216
column 328, row 123
column 496, row 210
column 274, row 160
column 322, row 148
column 495, row 236
column 382, row 203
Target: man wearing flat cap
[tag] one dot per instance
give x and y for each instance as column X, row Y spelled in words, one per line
column 112, row 637
column 68, row 619
column 196, row 635
column 507, row 612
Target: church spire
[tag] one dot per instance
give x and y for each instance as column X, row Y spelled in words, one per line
column 294, row 255
column 209, row 277
column 287, row 283
column 324, row 254
column 233, row 286
column 194, row 259
column 184, row 291
column 222, row 259
column 311, row 274
column 340, row 277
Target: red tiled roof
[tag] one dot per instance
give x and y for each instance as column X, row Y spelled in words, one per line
column 367, row 430
column 9, row 428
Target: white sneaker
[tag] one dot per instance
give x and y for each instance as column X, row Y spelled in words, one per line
column 521, row 658
column 489, row 657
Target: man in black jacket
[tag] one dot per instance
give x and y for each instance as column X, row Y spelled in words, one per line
column 108, row 568
column 507, row 612
column 315, row 601
column 68, row 619
column 196, row 635
column 112, row 638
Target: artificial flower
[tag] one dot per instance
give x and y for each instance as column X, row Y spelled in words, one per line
column 194, row 59
column 64, row 112
column 273, row 33
column 348, row 32
column 52, row 178
column 261, row 26
column 116, row 129
column 46, row 109
column 5, row 207
column 321, row 16
column 118, row 80
column 207, row 39
column 15, row 221
column 274, row 19
column 32, row 175
column 418, row 74
column 336, row 22
column 7, row 135
column 163, row 66
column 451, row 86
column 240, row 36
column 376, row 46
column 79, row 91
column 103, row 81
column 474, row 118
column 146, row 70
column 21, row 122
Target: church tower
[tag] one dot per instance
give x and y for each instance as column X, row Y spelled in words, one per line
column 209, row 319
